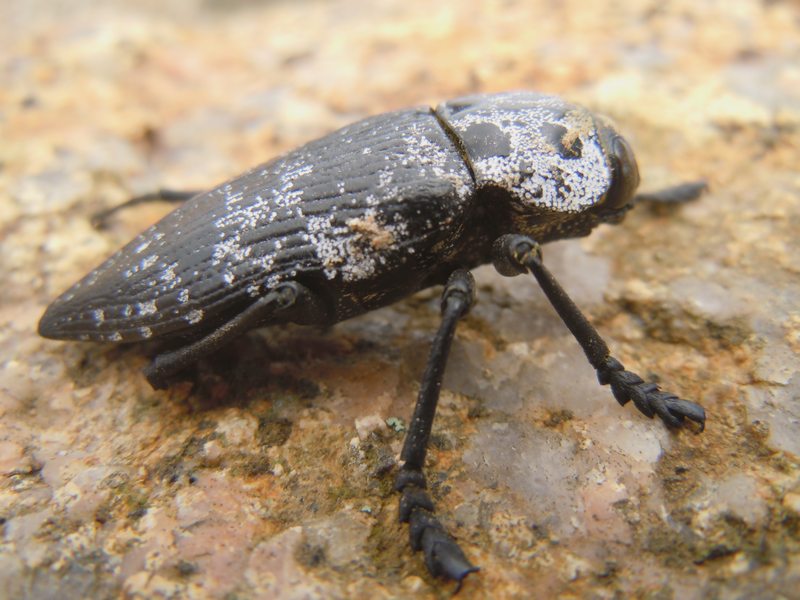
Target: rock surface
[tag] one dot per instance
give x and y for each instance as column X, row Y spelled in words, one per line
column 270, row 475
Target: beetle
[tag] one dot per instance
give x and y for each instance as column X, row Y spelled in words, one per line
column 363, row 217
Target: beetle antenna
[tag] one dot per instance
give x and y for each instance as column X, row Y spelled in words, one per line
column 676, row 194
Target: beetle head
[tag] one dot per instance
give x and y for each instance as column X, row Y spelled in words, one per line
column 623, row 170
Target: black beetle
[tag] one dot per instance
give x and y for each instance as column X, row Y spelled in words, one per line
column 366, row 216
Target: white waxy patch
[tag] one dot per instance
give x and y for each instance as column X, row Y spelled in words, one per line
column 194, row 317
column 142, row 247
column 228, row 251
column 145, row 332
column 115, row 337
column 385, row 177
column 98, row 315
column 168, row 275
column 127, row 310
column 149, row 261
column 183, row 296
column 146, row 308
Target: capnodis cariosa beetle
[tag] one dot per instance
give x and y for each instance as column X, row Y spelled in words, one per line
column 366, row 216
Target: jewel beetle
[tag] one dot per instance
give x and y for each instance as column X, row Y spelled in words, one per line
column 366, row 216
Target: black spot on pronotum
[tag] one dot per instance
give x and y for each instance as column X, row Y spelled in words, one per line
column 484, row 140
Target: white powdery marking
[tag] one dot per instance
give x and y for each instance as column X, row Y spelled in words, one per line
column 264, row 262
column 115, row 337
column 92, row 277
column 195, row 316
column 272, row 281
column 168, row 274
column 385, row 177
column 321, row 234
column 145, row 332
column 127, row 310
column 233, row 197
column 183, row 296
column 289, row 197
column 149, row 261
column 354, row 250
column 142, row 247
column 253, row 290
column 228, row 277
column 146, row 308
column 229, row 250
column 422, row 151
column 98, row 315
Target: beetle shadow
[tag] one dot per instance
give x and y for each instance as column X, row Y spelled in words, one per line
column 279, row 362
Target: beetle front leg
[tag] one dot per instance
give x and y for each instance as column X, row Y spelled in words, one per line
column 288, row 296
column 516, row 253
column 442, row 554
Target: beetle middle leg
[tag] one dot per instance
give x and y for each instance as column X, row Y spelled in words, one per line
column 442, row 554
column 286, row 297
column 514, row 254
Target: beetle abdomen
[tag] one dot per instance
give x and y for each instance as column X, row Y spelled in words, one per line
column 374, row 199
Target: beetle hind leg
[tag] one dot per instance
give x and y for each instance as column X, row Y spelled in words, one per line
column 100, row 219
column 443, row 556
column 285, row 298
column 515, row 254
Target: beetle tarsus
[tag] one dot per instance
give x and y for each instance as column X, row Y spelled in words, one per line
column 283, row 298
column 648, row 397
column 443, row 556
column 625, row 385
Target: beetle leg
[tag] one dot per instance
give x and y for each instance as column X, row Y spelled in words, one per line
column 99, row 220
column 286, row 296
column 442, row 554
column 516, row 253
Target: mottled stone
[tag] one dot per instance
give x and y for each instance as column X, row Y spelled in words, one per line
column 263, row 476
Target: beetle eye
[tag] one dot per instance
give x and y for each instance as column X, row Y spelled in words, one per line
column 624, row 175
